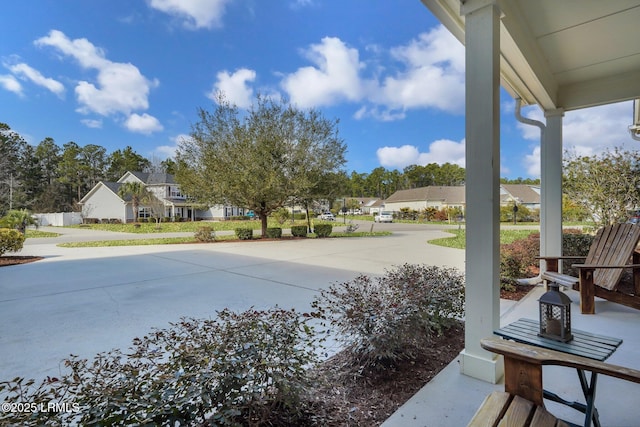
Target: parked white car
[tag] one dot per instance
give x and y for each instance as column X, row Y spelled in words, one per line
column 327, row 216
column 384, row 216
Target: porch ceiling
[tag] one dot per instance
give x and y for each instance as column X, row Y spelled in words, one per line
column 567, row 54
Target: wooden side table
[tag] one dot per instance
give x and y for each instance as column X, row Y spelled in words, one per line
column 585, row 344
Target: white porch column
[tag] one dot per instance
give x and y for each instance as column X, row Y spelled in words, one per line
column 551, row 185
column 482, row 41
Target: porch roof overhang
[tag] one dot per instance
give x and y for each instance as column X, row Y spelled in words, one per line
column 568, row 54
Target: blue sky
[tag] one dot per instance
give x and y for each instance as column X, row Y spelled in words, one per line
column 134, row 72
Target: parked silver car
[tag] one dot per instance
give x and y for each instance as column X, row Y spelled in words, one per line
column 384, row 216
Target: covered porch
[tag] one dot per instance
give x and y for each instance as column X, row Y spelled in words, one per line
column 560, row 56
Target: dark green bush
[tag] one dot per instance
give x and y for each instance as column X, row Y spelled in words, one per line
column 575, row 243
column 11, row 240
column 274, row 232
column 248, row 368
column 300, row 216
column 395, row 316
column 299, row 230
column 244, row 233
column 323, row 230
column 205, row 234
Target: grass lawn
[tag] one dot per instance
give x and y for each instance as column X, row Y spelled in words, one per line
column 190, row 226
column 36, row 233
column 190, row 239
column 458, row 241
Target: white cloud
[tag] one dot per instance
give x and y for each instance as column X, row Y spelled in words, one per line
column 165, row 151
column 432, row 75
column 24, row 71
column 334, row 77
column 429, row 74
column 440, row 152
column 90, row 123
column 235, row 87
column 144, row 124
column 120, row 87
column 10, row 83
column 194, row 13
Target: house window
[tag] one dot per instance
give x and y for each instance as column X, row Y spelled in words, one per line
column 144, row 213
column 175, row 192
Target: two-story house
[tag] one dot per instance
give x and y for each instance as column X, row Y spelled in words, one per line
column 103, row 202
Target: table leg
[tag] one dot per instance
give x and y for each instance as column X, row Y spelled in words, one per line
column 589, row 391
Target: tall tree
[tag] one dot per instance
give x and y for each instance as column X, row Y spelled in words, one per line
column 258, row 160
column 607, row 185
column 121, row 161
column 12, row 147
column 137, row 192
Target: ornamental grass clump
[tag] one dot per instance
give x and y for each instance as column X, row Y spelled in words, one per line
column 394, row 317
column 247, row 368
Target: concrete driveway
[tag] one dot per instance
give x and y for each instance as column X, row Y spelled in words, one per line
column 84, row 301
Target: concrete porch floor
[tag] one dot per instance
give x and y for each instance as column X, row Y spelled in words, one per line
column 451, row 399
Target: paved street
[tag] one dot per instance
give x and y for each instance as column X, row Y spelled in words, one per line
column 87, row 300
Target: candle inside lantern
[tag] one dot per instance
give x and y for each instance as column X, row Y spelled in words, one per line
column 553, row 327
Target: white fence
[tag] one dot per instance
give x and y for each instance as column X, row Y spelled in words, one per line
column 59, row 219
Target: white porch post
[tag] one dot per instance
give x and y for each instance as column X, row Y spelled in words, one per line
column 551, row 185
column 482, row 41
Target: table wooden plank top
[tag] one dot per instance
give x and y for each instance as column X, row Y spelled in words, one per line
column 585, row 344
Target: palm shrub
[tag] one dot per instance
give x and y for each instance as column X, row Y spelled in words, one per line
column 11, row 240
column 393, row 317
column 247, row 368
column 18, row 219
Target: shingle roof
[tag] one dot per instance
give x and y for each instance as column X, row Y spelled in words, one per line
column 454, row 194
column 524, row 193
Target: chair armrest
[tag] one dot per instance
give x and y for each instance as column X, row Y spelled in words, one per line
column 561, row 257
column 596, row 266
column 540, row 356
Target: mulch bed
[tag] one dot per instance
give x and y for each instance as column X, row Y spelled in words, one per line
column 15, row 260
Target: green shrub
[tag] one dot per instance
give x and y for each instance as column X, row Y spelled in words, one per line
column 299, row 230
column 274, row 232
column 205, row 234
column 244, row 233
column 11, row 240
column 323, row 230
column 518, row 259
column 248, row 368
column 575, row 243
column 395, row 316
column 301, row 216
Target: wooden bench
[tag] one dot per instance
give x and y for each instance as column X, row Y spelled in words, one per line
column 522, row 402
column 612, row 250
column 504, row 409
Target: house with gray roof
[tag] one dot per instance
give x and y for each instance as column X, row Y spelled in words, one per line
column 102, row 202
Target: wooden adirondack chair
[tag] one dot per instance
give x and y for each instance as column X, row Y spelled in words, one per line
column 613, row 250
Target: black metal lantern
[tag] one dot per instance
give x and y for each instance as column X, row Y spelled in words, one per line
column 555, row 315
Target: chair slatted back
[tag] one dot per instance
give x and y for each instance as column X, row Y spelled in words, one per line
column 613, row 245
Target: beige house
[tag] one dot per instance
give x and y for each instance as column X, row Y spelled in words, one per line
column 443, row 197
